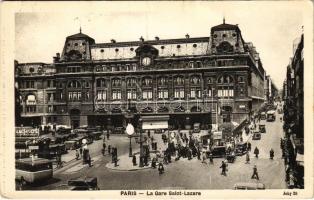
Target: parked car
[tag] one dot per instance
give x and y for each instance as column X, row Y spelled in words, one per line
column 256, row 135
column 249, row 186
column 197, row 127
column 262, row 128
column 83, row 184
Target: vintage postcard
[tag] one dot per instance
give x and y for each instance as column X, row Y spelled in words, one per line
column 157, row 100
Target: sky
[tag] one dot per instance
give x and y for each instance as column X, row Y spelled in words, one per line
column 271, row 26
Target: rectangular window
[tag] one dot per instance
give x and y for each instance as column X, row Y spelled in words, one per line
column 101, row 95
column 51, row 108
column 162, row 94
column 179, row 93
column 51, row 97
column 209, row 92
column 147, row 94
column 116, row 94
column 32, row 84
column 31, row 109
column 193, row 94
column 131, row 94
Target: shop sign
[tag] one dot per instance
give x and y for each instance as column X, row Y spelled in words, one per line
column 26, row 132
column 217, row 135
column 242, row 106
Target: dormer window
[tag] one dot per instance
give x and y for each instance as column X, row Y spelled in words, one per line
column 131, row 49
column 178, row 46
column 83, row 43
column 76, row 44
column 234, row 35
column 102, row 51
column 194, row 45
column 116, row 50
column 162, row 47
column 224, row 35
column 215, row 35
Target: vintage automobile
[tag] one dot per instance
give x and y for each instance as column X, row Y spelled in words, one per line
column 83, row 184
column 263, row 115
column 249, row 186
column 256, row 135
column 262, row 128
column 271, row 116
column 218, row 151
column 197, row 127
column 231, row 157
column 240, row 148
column 32, row 170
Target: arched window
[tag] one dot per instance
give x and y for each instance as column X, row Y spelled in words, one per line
column 101, row 82
column 116, row 82
column 179, row 80
column 226, row 79
column 147, row 81
column 195, row 80
column 131, row 82
column 162, row 80
column 74, row 84
column 31, row 99
column 240, row 79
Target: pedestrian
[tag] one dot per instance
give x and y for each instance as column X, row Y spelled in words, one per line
column 198, row 154
column 81, row 151
column 89, row 160
column 247, row 158
column 211, row 160
column 189, row 154
column 134, row 160
column 204, row 157
column 249, row 146
column 109, row 149
column 256, row 152
column 77, row 154
column 161, row 168
column 108, row 135
column 146, row 160
column 223, row 168
column 271, row 153
column 154, row 163
column 255, row 174
column 116, row 161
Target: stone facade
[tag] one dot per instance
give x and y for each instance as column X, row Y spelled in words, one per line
column 190, row 79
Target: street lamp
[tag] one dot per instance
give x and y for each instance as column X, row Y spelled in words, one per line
column 130, row 131
column 140, row 121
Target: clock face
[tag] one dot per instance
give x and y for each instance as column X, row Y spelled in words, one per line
column 146, row 61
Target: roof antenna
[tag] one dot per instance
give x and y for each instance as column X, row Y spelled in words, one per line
column 80, row 29
column 224, row 20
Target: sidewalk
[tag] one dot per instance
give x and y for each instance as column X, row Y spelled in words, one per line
column 125, row 164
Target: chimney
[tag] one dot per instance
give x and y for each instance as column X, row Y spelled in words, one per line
column 56, row 58
column 142, row 39
column 187, row 36
column 113, row 41
column 156, row 38
column 58, row 55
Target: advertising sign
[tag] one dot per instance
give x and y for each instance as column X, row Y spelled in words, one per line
column 217, row 135
column 26, row 132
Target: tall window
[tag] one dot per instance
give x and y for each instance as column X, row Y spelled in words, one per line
column 116, row 82
column 195, row 93
column 179, row 80
column 74, row 84
column 225, row 92
column 51, row 96
column 131, row 82
column 162, row 93
column 131, row 94
column 116, row 94
column 179, row 93
column 101, row 82
column 74, row 95
column 195, row 80
column 147, row 94
column 31, row 103
column 147, row 81
column 101, row 95
column 162, row 81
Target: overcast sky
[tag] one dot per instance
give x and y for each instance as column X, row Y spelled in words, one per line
column 271, row 28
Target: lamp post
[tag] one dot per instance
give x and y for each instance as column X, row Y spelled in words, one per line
column 130, row 132
column 140, row 122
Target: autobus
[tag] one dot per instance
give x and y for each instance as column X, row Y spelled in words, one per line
column 32, row 170
column 271, row 115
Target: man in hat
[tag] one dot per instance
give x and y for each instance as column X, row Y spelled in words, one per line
column 255, row 174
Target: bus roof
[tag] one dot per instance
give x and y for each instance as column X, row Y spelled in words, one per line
column 271, row 112
column 36, row 161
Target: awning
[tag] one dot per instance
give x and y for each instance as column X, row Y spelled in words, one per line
column 155, row 125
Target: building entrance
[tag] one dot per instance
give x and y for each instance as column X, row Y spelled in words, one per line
column 75, row 118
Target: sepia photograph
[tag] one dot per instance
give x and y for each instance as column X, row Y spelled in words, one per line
column 161, row 99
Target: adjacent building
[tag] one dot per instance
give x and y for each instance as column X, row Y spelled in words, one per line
column 214, row 79
column 293, row 96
